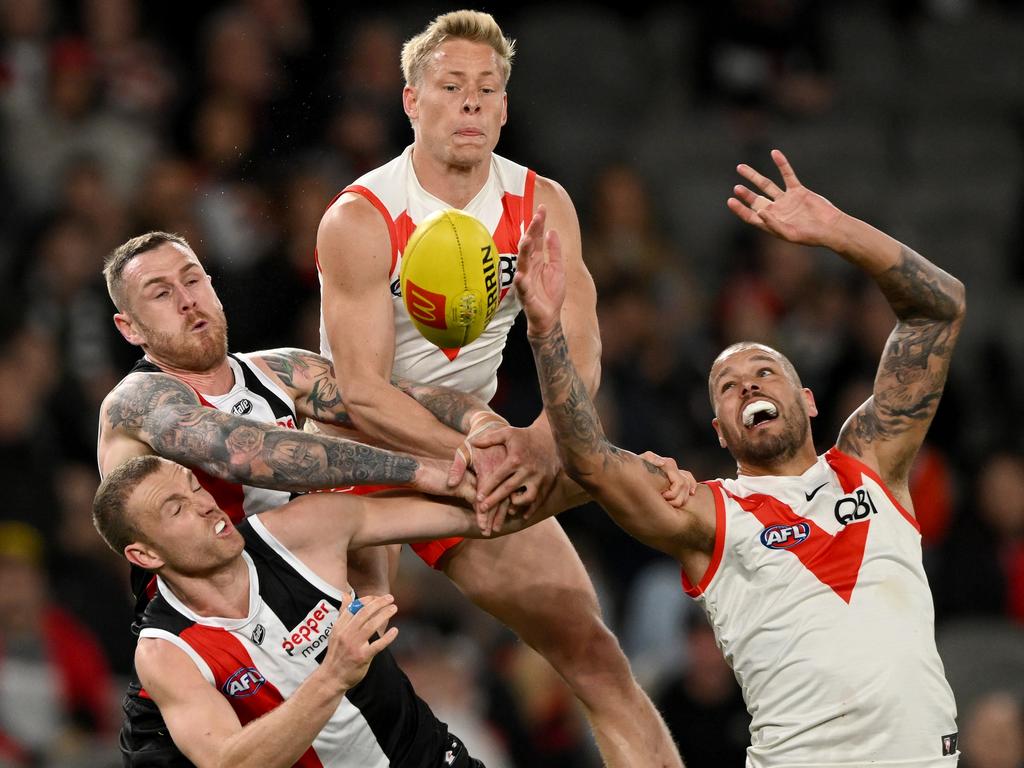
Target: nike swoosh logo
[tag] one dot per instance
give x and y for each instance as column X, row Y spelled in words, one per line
column 811, row 494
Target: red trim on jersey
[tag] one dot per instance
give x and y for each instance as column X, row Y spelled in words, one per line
column 834, row 560
column 225, row 655
column 849, row 469
column 510, row 227
column 358, row 189
column 528, row 189
column 430, row 552
column 404, row 227
column 716, row 553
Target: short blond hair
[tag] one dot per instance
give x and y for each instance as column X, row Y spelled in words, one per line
column 475, row 26
column 117, row 260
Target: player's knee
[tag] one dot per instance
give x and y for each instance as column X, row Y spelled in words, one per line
column 585, row 648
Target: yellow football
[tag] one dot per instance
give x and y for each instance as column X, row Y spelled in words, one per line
column 449, row 278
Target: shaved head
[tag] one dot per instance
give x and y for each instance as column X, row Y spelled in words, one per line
column 769, row 353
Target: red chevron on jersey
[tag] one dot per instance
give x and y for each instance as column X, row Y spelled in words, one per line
column 233, row 669
column 834, row 559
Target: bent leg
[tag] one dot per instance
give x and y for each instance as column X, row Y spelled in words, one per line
column 535, row 583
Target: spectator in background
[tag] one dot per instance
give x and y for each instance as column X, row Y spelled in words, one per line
column 133, row 69
column 982, row 565
column 72, row 120
column 763, row 56
column 29, row 369
column 367, row 126
column 66, row 298
column 84, row 567
column 55, row 687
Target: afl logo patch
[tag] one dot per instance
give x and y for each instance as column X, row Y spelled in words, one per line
column 242, row 407
column 244, row 683
column 785, row 536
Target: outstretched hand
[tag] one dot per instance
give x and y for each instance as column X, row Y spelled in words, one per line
column 795, row 213
column 540, row 277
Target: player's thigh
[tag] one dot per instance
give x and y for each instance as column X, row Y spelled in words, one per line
column 533, row 580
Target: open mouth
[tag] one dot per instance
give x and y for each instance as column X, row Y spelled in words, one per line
column 218, row 529
column 759, row 412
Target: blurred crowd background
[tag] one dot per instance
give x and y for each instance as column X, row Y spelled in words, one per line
column 235, row 123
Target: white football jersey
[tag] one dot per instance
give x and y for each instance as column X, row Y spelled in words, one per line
column 505, row 206
column 820, row 603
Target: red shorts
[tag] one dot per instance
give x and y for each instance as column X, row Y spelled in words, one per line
column 430, row 552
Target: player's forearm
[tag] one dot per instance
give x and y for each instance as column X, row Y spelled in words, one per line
column 249, row 452
column 279, row 738
column 451, row 407
column 913, row 286
column 570, row 412
column 387, row 416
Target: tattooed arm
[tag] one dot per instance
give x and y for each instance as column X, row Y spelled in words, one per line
column 887, row 430
column 155, row 413
column 626, row 485
column 310, row 380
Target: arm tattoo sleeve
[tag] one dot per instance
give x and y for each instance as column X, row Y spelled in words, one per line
column 916, row 288
column 313, row 377
column 168, row 416
column 581, row 440
column 449, row 406
column 929, row 305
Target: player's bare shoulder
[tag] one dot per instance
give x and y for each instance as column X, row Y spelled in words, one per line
column 351, row 231
column 552, row 194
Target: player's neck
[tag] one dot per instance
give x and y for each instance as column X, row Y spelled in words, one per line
column 793, row 466
column 223, row 594
column 455, row 185
column 219, row 380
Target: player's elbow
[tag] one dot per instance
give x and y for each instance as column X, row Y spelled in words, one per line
column 362, row 395
column 959, row 296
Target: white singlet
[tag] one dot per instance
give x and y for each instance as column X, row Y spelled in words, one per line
column 820, row 603
column 505, row 206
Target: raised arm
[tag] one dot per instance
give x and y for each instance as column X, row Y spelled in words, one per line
column 627, row 486
column 354, row 250
column 207, row 730
column 888, row 429
column 532, row 457
column 155, row 413
column 579, row 309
